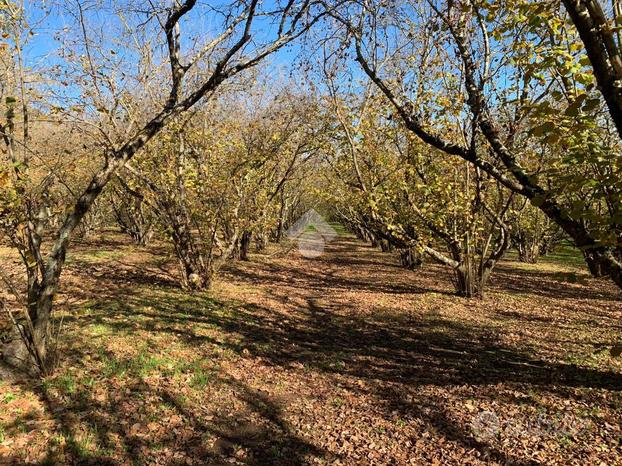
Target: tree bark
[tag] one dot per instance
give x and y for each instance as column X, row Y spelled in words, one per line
column 410, row 258
column 245, row 244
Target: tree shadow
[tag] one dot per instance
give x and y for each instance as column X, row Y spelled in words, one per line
column 557, row 285
column 255, row 434
column 397, row 357
column 392, row 355
column 274, row 276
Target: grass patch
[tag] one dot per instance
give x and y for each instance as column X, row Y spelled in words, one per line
column 338, row 402
column 94, row 256
column 200, row 374
column 100, row 330
column 66, row 384
column 83, row 447
column 146, row 363
column 339, row 228
column 566, row 254
column 201, row 378
column 112, row 366
column 142, row 365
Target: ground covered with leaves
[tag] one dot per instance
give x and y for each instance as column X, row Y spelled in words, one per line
column 341, row 359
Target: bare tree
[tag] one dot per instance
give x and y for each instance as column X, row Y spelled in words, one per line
column 194, row 75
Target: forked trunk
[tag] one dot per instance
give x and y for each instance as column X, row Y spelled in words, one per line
column 193, row 276
column 194, row 271
column 29, row 348
column 466, row 281
column 528, row 254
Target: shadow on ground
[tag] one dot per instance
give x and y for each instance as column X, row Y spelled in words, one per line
column 392, row 355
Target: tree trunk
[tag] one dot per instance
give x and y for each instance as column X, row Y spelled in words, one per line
column 465, row 285
column 195, row 274
column 527, row 254
column 280, row 229
column 385, row 246
column 133, row 218
column 245, row 244
column 410, row 259
column 595, row 263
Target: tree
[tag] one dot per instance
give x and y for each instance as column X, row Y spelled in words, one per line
column 518, row 69
column 194, row 75
column 409, row 197
column 532, row 233
column 131, row 212
column 213, row 180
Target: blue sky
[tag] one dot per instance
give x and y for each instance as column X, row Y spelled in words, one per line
column 47, row 21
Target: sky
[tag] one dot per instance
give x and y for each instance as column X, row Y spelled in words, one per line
column 47, row 20
column 52, row 23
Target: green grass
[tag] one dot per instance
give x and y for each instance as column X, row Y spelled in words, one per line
column 146, row 363
column 201, row 379
column 338, row 402
column 201, row 375
column 67, row 384
column 113, row 367
column 339, row 228
column 140, row 366
column 100, row 329
column 94, row 256
column 81, row 448
column 19, row 425
column 566, row 254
